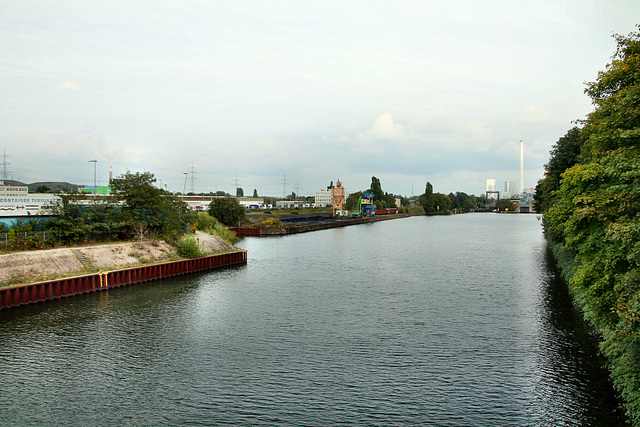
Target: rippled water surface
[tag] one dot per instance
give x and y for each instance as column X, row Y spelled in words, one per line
column 448, row 321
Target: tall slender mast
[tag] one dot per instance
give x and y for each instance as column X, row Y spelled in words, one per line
column 521, row 167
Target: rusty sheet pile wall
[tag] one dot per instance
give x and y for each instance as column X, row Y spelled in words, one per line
column 53, row 289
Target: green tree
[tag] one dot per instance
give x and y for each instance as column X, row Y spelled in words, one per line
column 270, row 200
column 351, row 203
column 466, row 202
column 228, row 211
column 442, row 203
column 615, row 121
column 43, row 189
column 594, row 216
column 137, row 191
column 564, row 154
column 149, row 208
column 378, row 195
column 427, row 200
column 68, row 223
column 455, row 202
column 390, row 200
column 239, row 192
column 255, row 192
column 506, row 205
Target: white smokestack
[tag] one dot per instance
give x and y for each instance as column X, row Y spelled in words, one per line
column 521, row 167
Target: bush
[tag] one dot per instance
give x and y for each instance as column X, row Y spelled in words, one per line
column 206, row 222
column 225, row 234
column 267, row 222
column 228, row 211
column 188, row 248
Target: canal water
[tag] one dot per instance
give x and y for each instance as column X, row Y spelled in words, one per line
column 444, row 321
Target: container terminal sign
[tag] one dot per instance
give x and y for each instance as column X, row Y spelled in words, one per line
column 27, row 205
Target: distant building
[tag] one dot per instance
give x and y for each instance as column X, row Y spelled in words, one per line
column 15, row 201
column 510, row 188
column 98, row 190
column 289, row 204
column 490, row 185
column 251, row 202
column 13, row 190
column 338, row 199
column 491, row 193
column 323, row 198
column 526, row 200
column 201, row 203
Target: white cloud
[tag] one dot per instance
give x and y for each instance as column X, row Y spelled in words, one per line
column 385, row 128
column 68, row 86
column 316, row 91
column 536, row 114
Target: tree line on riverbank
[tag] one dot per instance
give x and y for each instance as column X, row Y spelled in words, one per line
column 441, row 204
column 590, row 198
column 135, row 210
column 432, row 203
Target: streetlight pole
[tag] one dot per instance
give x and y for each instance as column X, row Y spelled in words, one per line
column 95, row 163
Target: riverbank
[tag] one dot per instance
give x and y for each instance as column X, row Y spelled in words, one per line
column 15, row 296
column 33, row 266
column 618, row 347
column 293, row 224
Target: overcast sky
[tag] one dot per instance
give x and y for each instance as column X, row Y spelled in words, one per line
column 291, row 95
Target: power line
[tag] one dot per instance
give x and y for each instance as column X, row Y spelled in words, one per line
column 193, row 178
column 297, row 190
column 6, row 173
column 237, row 182
column 284, row 186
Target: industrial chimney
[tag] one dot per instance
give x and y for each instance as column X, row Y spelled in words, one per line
column 521, row 167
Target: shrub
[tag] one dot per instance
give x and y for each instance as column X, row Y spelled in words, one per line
column 11, row 240
column 266, row 222
column 225, row 234
column 206, row 222
column 188, row 247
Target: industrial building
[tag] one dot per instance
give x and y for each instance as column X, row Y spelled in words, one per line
column 16, row 201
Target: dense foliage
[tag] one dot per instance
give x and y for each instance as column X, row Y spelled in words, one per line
column 188, row 247
column 151, row 209
column 441, row 204
column 590, row 197
column 427, row 200
column 209, row 224
column 228, row 211
column 137, row 209
column 564, row 154
column 381, row 199
column 351, row 204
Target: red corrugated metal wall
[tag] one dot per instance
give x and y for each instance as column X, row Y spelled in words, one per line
column 44, row 291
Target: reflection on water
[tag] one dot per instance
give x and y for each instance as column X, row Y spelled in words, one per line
column 440, row 321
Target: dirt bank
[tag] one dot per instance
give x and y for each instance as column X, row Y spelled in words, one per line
column 33, row 266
